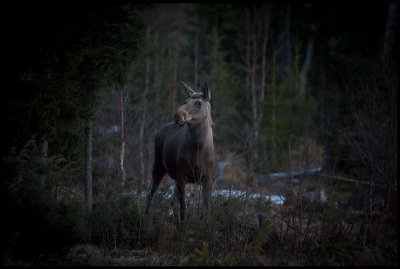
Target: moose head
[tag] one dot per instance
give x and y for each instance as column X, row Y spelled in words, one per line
column 196, row 107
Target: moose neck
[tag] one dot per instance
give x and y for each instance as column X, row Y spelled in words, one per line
column 201, row 132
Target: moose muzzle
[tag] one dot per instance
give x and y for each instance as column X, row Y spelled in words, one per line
column 182, row 116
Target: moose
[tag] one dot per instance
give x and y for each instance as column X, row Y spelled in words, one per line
column 184, row 149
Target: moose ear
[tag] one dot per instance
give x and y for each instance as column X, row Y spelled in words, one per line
column 186, row 89
column 206, row 92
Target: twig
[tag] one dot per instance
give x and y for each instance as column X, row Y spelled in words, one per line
column 71, row 191
column 356, row 181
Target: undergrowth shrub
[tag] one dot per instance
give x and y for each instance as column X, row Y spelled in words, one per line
column 119, row 220
column 219, row 238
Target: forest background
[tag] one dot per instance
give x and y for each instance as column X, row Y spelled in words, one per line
column 294, row 86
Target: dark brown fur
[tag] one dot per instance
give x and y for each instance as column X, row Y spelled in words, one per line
column 185, row 150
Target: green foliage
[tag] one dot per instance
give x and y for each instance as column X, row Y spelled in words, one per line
column 114, row 222
column 228, row 260
column 332, row 219
column 34, row 221
column 57, row 91
column 203, row 257
column 329, row 253
column 119, row 222
column 263, row 234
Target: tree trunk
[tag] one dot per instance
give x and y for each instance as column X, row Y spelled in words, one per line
column 273, row 119
column 305, row 68
column 214, row 72
column 122, row 153
column 370, row 196
column 157, row 73
column 176, row 59
column 143, row 121
column 43, row 153
column 88, row 179
column 254, row 93
column 248, row 68
column 288, row 42
column 390, row 32
column 263, row 68
column 43, row 148
column 322, row 102
column 389, row 69
column 196, row 53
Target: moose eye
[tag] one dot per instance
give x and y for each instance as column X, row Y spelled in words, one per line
column 198, row 103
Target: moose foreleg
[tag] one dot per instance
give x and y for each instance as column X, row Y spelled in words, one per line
column 175, row 207
column 178, row 203
column 182, row 201
column 206, row 193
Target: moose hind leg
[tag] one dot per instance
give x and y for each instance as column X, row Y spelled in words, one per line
column 158, row 173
